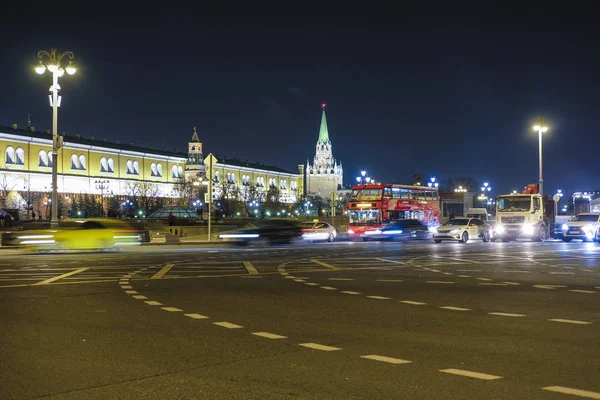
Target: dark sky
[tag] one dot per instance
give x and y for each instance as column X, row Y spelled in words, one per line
column 447, row 90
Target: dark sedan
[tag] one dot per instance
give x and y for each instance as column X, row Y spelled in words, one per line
column 264, row 232
column 402, row 230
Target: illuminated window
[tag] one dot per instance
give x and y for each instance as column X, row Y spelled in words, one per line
column 111, row 165
column 153, row 170
column 294, row 185
column 282, row 184
column 49, row 163
column 159, row 169
column 129, row 167
column 10, row 155
column 43, row 158
column 103, row 165
column 217, row 178
column 180, row 171
column 136, row 168
column 82, row 162
column 230, row 178
column 74, row 162
column 20, row 156
column 260, row 182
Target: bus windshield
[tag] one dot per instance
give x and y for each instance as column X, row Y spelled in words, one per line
column 365, row 217
column 366, row 194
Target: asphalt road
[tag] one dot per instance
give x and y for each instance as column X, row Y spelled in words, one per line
column 323, row 321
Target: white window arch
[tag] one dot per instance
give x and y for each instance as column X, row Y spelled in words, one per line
column 129, row 167
column 20, row 153
column 179, row 171
column 49, row 163
column 136, row 167
column 231, row 178
column 246, row 180
column 217, row 178
column 153, row 170
column 103, row 164
column 74, row 162
column 42, row 158
column 294, row 185
column 82, row 162
column 272, row 182
column 282, row 184
column 111, row 165
column 174, row 171
column 260, row 181
column 10, row 155
column 159, row 169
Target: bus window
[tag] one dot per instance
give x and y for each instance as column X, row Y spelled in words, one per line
column 405, row 194
column 387, row 192
column 396, row 193
column 429, row 196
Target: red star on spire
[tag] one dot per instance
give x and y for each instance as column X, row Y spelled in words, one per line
column 323, row 105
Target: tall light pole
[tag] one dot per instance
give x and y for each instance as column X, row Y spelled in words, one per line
column 53, row 65
column 540, row 128
column 556, row 199
column 102, row 186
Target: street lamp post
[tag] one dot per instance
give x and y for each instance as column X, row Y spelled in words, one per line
column 102, row 186
column 433, row 183
column 556, row 199
column 540, row 129
column 53, row 65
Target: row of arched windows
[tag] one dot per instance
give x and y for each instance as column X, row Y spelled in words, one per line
column 14, row 156
column 260, row 181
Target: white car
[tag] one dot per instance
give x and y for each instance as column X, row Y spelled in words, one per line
column 583, row 226
column 318, row 230
column 462, row 230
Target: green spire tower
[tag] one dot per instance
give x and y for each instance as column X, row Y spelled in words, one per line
column 323, row 132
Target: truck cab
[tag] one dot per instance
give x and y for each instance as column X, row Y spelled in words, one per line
column 525, row 215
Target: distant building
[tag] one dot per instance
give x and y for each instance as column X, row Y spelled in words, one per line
column 324, row 176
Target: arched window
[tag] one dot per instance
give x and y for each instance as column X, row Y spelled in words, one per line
column 180, row 171
column 82, row 162
column 10, row 155
column 230, row 178
column 74, row 162
column 43, row 158
column 217, row 178
column 282, row 184
column 49, row 163
column 111, row 165
column 153, row 170
column 136, row 168
column 294, row 185
column 159, row 169
column 20, row 156
column 272, row 182
column 246, row 180
column 129, row 167
column 174, row 171
column 103, row 164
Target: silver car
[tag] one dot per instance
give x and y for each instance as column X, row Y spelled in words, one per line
column 462, row 230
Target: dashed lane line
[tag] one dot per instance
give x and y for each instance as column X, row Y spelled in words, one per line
column 250, row 268
column 470, row 374
column 299, row 280
column 452, row 308
column 163, row 271
column 378, row 297
column 321, row 347
column 311, row 284
column 328, row 288
column 340, row 279
column 126, row 287
column 493, row 284
column 502, row 314
column 269, row 335
column 171, row 309
column 549, row 287
column 389, row 280
column 582, row 291
column 464, row 276
column 440, row 282
column 196, row 316
column 153, row 303
column 131, row 291
column 484, row 279
column 413, row 303
column 321, row 263
column 570, row 321
column 349, row 292
column 575, row 392
column 140, row 297
column 512, row 283
column 56, row 278
column 228, row 325
column 389, row 360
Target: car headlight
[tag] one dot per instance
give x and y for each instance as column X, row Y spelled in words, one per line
column 528, row 229
column 565, row 227
column 589, row 230
column 455, row 231
column 432, row 229
column 393, row 232
column 499, row 228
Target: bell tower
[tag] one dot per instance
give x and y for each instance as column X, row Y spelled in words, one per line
column 195, row 152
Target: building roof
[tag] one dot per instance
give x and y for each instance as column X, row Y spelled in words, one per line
column 323, row 132
column 91, row 142
column 195, row 136
column 244, row 163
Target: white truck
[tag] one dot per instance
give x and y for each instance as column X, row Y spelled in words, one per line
column 524, row 215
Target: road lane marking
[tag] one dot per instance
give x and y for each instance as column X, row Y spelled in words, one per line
column 140, row 297
column 56, row 278
column 289, row 277
column 548, row 286
column 196, row 316
column 251, row 276
column 455, row 308
column 228, row 325
column 340, row 279
column 582, row 291
column 311, row 284
column 447, row 273
column 321, row 347
column 164, row 270
column 414, row 303
column 502, row 314
column 389, row 280
column 512, row 283
column 470, row 374
column 250, row 268
column 131, row 292
column 562, row 273
column 171, row 309
column 321, row 263
column 349, row 292
column 440, row 282
column 575, row 392
column 570, row 321
column 378, row 297
column 385, row 359
column 153, row 303
column 493, row 284
column 299, row 280
column 523, row 272
column 126, row 287
column 464, row 276
column 269, row 335
column 484, row 279
column 391, row 261
column 468, row 270
column 328, row 288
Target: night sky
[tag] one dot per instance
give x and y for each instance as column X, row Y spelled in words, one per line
column 445, row 91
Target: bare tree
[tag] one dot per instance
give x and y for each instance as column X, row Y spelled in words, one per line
column 7, row 185
column 249, row 193
column 146, row 194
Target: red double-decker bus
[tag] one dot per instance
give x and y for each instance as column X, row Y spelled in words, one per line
column 371, row 207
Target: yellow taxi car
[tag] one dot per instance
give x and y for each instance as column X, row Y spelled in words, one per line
column 89, row 234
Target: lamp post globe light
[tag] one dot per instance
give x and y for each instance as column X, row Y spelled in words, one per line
column 433, row 183
column 102, row 185
column 363, row 178
column 540, row 128
column 53, row 65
